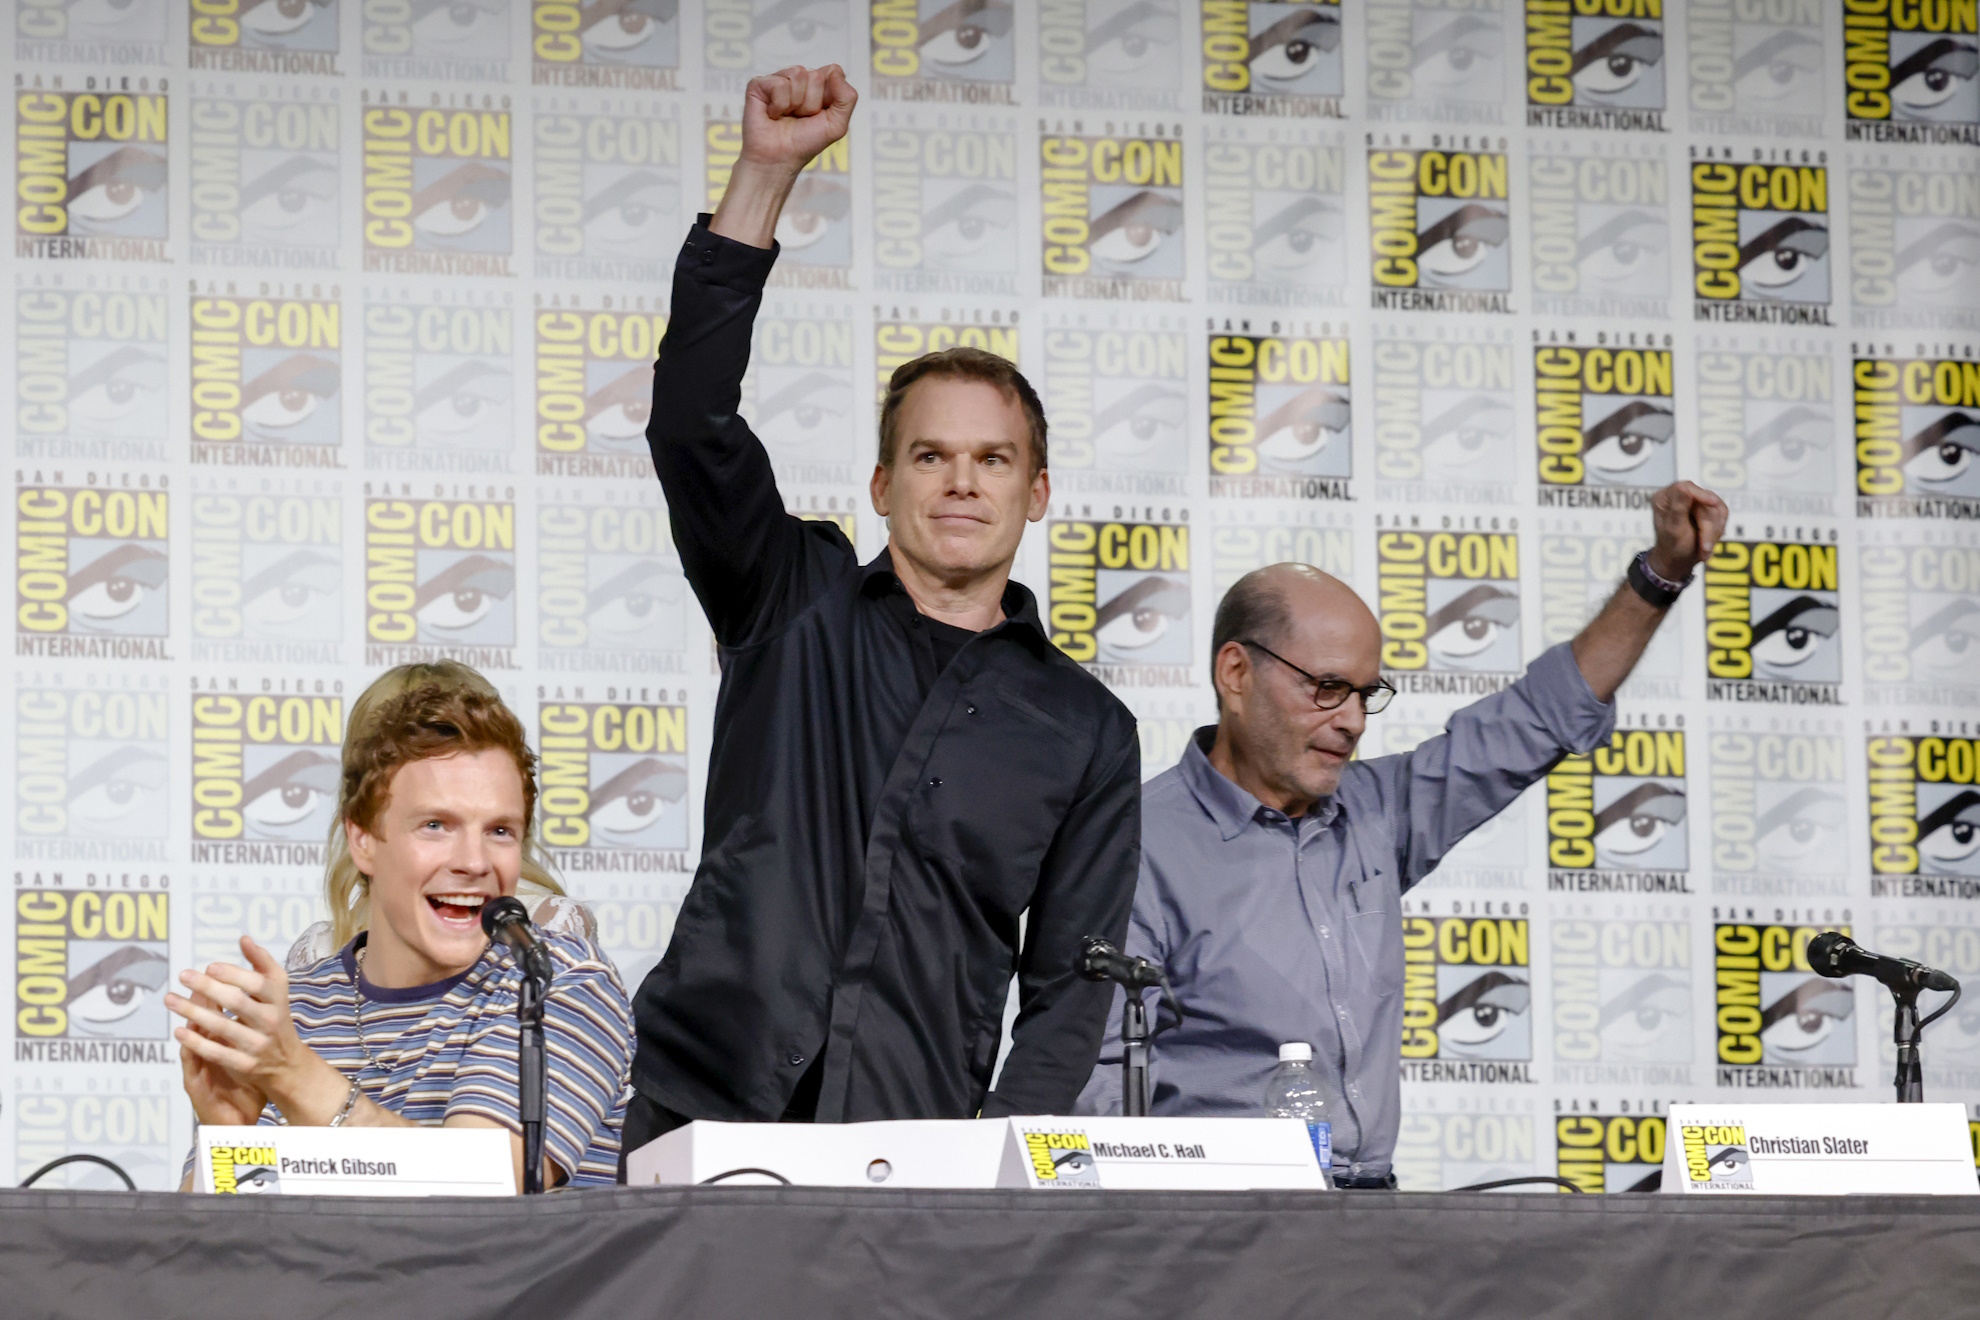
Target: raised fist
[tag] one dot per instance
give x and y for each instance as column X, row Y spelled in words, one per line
column 792, row 115
column 1689, row 522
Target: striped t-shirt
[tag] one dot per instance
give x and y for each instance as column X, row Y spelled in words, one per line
column 450, row 1047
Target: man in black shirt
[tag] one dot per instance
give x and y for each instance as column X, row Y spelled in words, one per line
column 904, row 766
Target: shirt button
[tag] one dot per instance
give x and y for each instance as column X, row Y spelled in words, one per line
column 708, row 256
column 934, row 783
column 969, row 710
column 795, row 1059
column 1323, row 932
column 1342, row 1012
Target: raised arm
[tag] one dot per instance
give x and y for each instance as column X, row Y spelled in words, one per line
column 1689, row 522
column 750, row 562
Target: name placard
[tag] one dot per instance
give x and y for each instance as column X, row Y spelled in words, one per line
column 321, row 1161
column 904, row 1153
column 1818, row 1150
column 1160, row 1154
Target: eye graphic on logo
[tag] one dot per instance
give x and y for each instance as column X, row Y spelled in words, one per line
column 615, row 29
column 1147, row 420
column 1615, row 61
column 1775, row 261
column 1468, row 434
column 815, row 203
column 114, row 987
column 125, row 383
column 1638, row 820
column 634, row 602
column 1949, row 640
column 287, row 394
column 1627, row 438
column 1805, row 1016
column 287, row 793
column 1646, row 1012
column 964, row 33
column 1071, row 1163
column 277, row 18
column 1931, row 76
column 106, row 794
column 287, row 195
column 1802, row 827
column 1778, row 69
column 116, row 185
column 1480, row 1012
column 786, row 29
column 634, row 800
column 1943, row 451
column 615, row 416
column 115, row 583
column 1792, row 442
column 1142, row 615
column 630, row 211
column 1122, row 45
column 256, row 1180
column 1793, row 634
column 1136, row 229
column 1470, row 623
column 1293, row 47
column 968, row 223
column 1458, row 54
column 464, row 593
column 459, row 27
column 1287, row 244
column 1949, row 836
column 1458, row 244
column 465, row 406
column 460, row 201
column 293, row 588
column 812, row 408
column 1301, row 427
column 1939, row 265
column 1730, row 1162
column 1627, row 247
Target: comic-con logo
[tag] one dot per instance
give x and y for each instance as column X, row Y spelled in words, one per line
column 131, row 1127
column 612, row 43
column 1108, row 46
column 1595, row 64
column 1756, row 68
column 1061, row 1159
column 1120, row 598
column 1921, row 622
column 814, row 232
column 1279, row 417
column 1112, row 217
column 899, row 338
column 1428, row 61
column 440, row 579
column 90, row 172
column 1715, row 1156
column 1914, row 243
column 1931, row 939
column 265, row 36
column 943, row 50
column 1275, row 220
column 266, row 377
column 1772, row 1011
column 245, row 1171
column 1909, row 66
column 1119, row 403
column 267, row 577
column 1610, row 1152
column 1449, row 609
column 1272, row 58
column 1467, row 999
column 798, row 392
column 438, row 384
column 1578, row 574
column 265, row 776
column 594, row 390
column 1607, row 424
column 80, row 34
column 1616, row 818
column 90, row 374
column 742, row 37
column 1773, row 623
column 90, row 768
column 1766, row 424
column 945, row 209
column 88, row 967
column 1924, row 816
column 266, row 190
column 90, row 572
column 1244, row 539
column 1440, row 226
column 1622, row 991
column 608, row 193
column 1444, row 413
column 610, row 595
column 465, row 42
column 1917, row 437
column 1601, row 234
column 1443, row 1151
column 437, row 190
column 1760, row 241
column 615, row 782
column 1779, row 813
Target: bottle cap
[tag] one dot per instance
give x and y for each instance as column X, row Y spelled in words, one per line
column 1295, row 1053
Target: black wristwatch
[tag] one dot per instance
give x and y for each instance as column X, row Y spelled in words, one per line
column 1656, row 589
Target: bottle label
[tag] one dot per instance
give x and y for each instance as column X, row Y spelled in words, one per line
column 1322, row 1135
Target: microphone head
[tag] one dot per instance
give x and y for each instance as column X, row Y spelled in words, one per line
column 499, row 912
column 1825, row 952
column 1092, row 961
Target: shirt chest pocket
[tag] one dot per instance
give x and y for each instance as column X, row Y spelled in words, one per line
column 1376, row 939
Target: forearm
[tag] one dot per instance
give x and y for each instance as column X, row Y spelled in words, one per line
column 753, row 202
column 1614, row 640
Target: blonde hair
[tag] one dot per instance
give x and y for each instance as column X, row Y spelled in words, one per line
column 416, row 713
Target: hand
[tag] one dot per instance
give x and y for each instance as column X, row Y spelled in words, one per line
column 1689, row 522
column 792, row 115
column 254, row 1055
column 219, row 1099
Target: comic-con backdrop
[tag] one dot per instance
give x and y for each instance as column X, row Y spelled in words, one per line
column 330, row 337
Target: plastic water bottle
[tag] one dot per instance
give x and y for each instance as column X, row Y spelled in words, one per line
column 1294, row 1092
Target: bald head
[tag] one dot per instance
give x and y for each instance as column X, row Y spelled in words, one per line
column 1279, row 602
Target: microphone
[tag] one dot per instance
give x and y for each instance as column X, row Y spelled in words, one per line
column 1833, row 953
column 1099, row 960
column 506, row 921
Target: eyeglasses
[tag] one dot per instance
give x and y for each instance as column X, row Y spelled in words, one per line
column 1330, row 693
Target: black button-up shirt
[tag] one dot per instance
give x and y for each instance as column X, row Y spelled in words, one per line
column 875, row 824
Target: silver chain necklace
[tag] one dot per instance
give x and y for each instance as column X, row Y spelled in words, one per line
column 357, row 1007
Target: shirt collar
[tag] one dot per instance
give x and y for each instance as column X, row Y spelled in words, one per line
column 877, row 578
column 1230, row 806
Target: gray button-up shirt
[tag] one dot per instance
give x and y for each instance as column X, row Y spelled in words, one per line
column 1276, row 930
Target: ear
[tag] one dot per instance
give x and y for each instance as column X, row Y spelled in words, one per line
column 362, row 846
column 879, row 488
column 1041, row 495
column 1230, row 671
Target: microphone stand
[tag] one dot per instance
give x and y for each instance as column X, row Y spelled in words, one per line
column 1134, row 1055
column 534, row 990
column 1907, row 1033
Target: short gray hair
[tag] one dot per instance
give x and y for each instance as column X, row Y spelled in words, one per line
column 1254, row 609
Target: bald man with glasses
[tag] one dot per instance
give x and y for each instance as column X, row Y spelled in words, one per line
column 1273, row 864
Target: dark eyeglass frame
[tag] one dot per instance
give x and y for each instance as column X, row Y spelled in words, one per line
column 1375, row 697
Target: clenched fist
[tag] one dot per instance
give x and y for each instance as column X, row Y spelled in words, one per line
column 1689, row 522
column 792, row 115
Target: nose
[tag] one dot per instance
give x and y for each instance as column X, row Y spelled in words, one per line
column 1351, row 716
column 471, row 857
column 962, row 475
